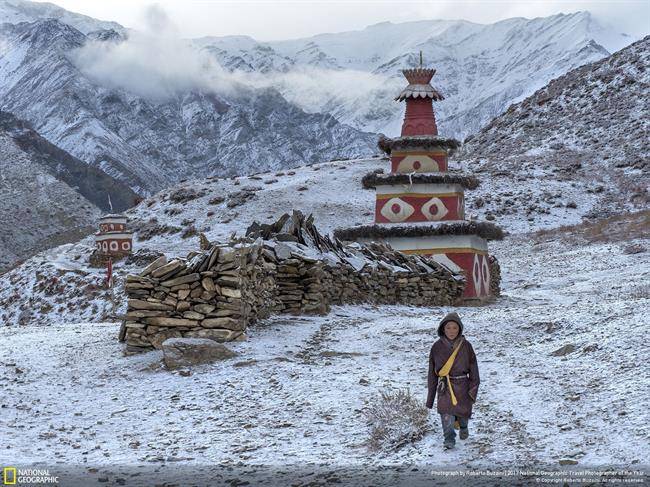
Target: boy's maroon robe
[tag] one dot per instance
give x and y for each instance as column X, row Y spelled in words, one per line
column 465, row 389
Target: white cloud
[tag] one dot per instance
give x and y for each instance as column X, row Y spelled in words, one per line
column 156, row 63
column 153, row 63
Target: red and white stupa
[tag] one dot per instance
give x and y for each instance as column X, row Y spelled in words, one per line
column 420, row 204
column 113, row 239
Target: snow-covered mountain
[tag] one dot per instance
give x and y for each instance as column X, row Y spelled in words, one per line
column 148, row 142
column 482, row 69
column 16, row 11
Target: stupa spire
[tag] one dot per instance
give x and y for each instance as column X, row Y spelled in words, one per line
column 419, row 118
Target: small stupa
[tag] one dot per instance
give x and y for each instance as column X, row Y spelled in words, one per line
column 420, row 205
column 113, row 239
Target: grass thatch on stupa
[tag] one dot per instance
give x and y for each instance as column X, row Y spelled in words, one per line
column 423, row 142
column 374, row 179
column 486, row 230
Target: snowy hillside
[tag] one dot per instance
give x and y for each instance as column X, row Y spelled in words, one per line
column 37, row 209
column 549, row 351
column 47, row 197
column 581, row 141
column 93, row 184
column 58, row 286
column 481, row 69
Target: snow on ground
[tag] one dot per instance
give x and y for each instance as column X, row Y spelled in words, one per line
column 292, row 399
column 332, row 191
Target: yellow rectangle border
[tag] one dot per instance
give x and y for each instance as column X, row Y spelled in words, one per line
column 5, row 479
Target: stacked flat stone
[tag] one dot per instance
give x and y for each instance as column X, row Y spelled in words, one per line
column 420, row 205
column 286, row 267
column 199, row 297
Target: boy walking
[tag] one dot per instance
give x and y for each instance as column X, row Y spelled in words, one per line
column 453, row 374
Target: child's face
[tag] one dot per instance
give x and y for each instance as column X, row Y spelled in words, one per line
column 451, row 329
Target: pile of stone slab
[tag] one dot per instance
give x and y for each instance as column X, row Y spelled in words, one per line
column 285, row 267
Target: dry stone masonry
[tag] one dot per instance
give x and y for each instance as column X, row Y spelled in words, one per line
column 284, row 267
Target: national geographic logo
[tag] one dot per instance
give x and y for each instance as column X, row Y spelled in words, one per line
column 9, row 476
column 27, row 476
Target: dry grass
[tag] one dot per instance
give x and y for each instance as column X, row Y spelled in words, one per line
column 641, row 292
column 394, row 419
column 615, row 229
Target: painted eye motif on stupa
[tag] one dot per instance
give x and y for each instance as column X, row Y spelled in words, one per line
column 485, row 270
column 434, row 209
column 476, row 275
column 418, row 163
column 397, row 210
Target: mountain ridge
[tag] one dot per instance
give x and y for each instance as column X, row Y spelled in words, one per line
column 465, row 54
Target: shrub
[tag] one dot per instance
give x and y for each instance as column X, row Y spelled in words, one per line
column 150, row 229
column 183, row 195
column 395, row 418
column 190, row 232
column 634, row 249
column 216, row 200
column 641, row 292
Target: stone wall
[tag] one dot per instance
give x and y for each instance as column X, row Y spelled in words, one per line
column 287, row 267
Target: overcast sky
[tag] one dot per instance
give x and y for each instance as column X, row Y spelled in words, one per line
column 273, row 19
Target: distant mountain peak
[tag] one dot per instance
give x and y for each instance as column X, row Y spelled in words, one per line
column 15, row 11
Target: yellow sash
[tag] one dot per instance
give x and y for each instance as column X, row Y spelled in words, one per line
column 444, row 371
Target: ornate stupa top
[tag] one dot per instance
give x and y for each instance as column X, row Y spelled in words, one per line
column 419, row 76
column 419, row 84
